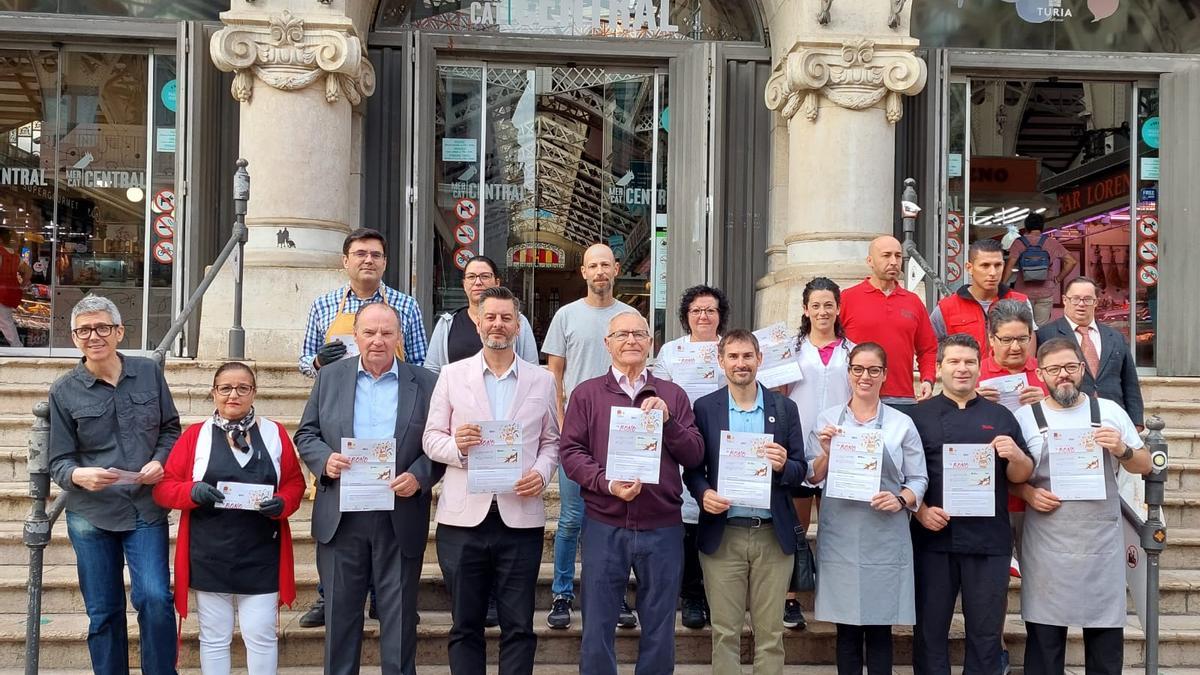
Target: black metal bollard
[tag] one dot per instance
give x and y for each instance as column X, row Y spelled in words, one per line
column 1154, row 534
column 36, row 535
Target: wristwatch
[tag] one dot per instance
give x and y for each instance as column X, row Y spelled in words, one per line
column 1127, row 455
column 903, row 501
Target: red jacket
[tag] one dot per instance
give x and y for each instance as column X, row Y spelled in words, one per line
column 899, row 323
column 174, row 491
column 962, row 313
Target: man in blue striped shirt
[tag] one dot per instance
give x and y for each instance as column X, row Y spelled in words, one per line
column 364, row 256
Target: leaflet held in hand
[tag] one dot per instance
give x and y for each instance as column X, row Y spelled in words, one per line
column 634, row 445
column 743, row 470
column 694, row 367
column 1076, row 464
column 1010, row 388
column 366, row 485
column 855, row 464
column 243, row 496
column 494, row 466
column 969, row 480
column 778, row 347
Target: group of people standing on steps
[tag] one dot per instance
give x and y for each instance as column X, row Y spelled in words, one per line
column 898, row 553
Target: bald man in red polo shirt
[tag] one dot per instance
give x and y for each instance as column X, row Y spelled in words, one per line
column 880, row 310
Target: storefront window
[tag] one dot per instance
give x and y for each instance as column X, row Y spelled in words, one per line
column 669, row 19
column 568, row 160
column 198, row 10
column 86, row 182
column 1146, row 228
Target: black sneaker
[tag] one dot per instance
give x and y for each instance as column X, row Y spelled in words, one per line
column 493, row 615
column 315, row 616
column 793, row 618
column 693, row 614
column 560, row 613
column 627, row 618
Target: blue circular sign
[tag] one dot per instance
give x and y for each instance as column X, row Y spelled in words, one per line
column 1150, row 131
column 665, row 118
column 170, row 95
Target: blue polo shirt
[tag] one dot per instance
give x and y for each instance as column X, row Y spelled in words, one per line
column 751, row 421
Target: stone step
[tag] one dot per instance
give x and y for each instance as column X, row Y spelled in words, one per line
column 63, row 636
column 1176, row 414
column 281, row 401
column 180, row 372
column 572, row 669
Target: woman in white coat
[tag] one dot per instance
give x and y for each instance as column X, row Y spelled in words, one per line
column 864, row 549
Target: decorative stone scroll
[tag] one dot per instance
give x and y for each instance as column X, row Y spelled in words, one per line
column 283, row 52
column 856, row 77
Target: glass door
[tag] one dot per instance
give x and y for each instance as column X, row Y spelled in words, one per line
column 533, row 164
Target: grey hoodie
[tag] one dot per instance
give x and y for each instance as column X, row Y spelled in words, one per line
column 526, row 346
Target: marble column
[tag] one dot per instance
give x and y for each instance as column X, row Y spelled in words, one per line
column 299, row 71
column 840, row 73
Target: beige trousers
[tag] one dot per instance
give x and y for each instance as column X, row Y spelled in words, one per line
column 749, row 571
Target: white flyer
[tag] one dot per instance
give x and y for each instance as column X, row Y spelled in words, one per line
column 969, row 480
column 855, row 464
column 1010, row 388
column 494, row 466
column 1076, row 464
column 348, row 340
column 365, row 486
column 126, row 477
column 243, row 496
column 743, row 470
column 693, row 366
column 778, row 347
column 634, row 445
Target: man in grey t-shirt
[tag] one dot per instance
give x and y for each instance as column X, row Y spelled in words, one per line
column 575, row 352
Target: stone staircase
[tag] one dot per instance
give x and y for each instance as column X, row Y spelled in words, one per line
column 282, row 392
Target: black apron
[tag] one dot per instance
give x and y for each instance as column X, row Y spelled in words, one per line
column 235, row 551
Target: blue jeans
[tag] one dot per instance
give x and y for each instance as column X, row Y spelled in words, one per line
column 101, row 556
column 566, row 539
column 608, row 553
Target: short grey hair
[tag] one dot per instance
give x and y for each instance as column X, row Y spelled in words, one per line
column 628, row 312
column 363, row 307
column 1009, row 311
column 96, row 303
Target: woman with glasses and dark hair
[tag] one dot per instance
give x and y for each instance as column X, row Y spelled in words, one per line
column 236, row 478
column 691, row 362
column 864, row 549
column 455, row 335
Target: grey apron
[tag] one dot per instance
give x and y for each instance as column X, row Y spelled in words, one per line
column 864, row 558
column 1073, row 558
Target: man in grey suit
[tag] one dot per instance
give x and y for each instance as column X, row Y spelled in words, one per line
column 371, row 397
column 1111, row 370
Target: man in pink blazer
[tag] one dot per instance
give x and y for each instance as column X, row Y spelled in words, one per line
column 494, row 409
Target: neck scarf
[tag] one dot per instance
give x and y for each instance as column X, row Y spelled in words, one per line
column 236, row 431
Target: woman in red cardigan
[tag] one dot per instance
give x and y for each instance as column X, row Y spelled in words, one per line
column 236, row 479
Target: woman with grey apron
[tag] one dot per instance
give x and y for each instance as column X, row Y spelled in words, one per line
column 864, row 550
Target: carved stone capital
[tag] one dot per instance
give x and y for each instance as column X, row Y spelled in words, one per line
column 856, row 76
column 282, row 51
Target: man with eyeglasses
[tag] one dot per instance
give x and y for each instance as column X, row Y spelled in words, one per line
column 1110, row 368
column 1073, row 553
column 112, row 425
column 629, row 523
column 964, row 552
column 329, row 334
column 966, row 310
column 575, row 351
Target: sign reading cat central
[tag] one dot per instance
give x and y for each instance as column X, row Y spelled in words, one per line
column 575, row 17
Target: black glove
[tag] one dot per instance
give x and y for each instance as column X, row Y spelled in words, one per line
column 330, row 353
column 271, row 508
column 206, row 495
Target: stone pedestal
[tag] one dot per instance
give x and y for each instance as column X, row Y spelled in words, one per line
column 838, row 89
column 299, row 67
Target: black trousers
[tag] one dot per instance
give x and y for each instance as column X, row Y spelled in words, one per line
column 983, row 581
column 474, row 561
column 850, row 643
column 692, row 587
column 1046, row 650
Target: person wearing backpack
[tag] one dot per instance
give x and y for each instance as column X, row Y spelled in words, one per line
column 1041, row 264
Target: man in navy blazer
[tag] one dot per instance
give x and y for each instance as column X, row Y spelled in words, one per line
column 1110, row 370
column 746, row 550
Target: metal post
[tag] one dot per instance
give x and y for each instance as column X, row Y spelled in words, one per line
column 1154, row 534
column 241, row 195
column 909, row 212
column 36, row 535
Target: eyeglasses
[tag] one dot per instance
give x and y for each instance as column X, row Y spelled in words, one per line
column 1007, row 341
column 873, row 371
column 227, row 389
column 1086, row 301
column 623, row 335
column 1068, row 368
column 363, row 255
column 704, row 311
column 103, row 330
column 486, row 277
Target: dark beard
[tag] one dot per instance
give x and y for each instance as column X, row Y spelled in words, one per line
column 1065, row 395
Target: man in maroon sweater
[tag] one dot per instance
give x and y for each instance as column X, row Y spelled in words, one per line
column 629, row 523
